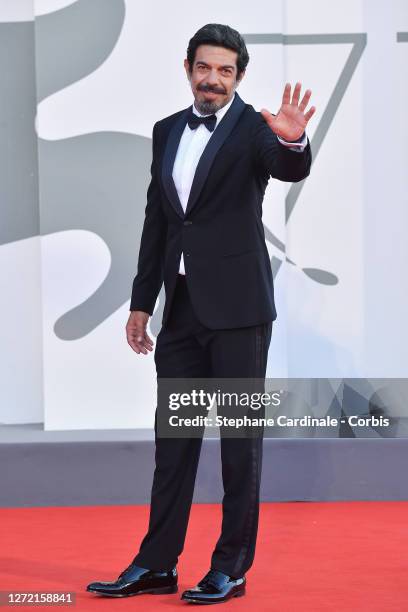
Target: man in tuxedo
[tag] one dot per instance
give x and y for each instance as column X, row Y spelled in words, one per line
column 203, row 237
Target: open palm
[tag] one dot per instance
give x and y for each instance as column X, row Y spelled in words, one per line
column 291, row 120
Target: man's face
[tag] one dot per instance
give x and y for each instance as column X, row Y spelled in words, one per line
column 213, row 78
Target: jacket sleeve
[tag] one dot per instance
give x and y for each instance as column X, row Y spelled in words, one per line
column 275, row 159
column 149, row 278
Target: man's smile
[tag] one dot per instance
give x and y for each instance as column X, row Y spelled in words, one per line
column 207, row 90
column 211, row 94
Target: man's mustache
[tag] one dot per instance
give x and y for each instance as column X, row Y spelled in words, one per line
column 210, row 89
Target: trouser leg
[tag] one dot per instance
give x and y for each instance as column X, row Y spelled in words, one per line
column 176, row 462
column 240, row 353
column 177, row 355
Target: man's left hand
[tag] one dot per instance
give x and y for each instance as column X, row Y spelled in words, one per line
column 291, row 120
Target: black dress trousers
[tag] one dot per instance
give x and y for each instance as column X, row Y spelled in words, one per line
column 187, row 349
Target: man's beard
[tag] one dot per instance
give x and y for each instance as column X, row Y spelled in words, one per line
column 208, row 107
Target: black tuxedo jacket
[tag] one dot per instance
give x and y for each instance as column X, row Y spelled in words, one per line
column 221, row 234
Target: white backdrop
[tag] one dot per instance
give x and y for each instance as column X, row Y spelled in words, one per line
column 349, row 219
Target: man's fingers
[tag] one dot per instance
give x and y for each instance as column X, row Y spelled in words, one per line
column 305, row 100
column 296, row 94
column 269, row 118
column 131, row 339
column 145, row 344
column 145, row 341
column 136, row 334
column 286, row 94
column 139, row 340
column 148, row 339
column 310, row 113
column 133, row 344
column 265, row 113
column 139, row 347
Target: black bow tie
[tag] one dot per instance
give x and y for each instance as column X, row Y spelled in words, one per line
column 195, row 120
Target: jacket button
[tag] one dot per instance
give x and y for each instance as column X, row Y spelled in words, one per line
column 187, row 223
column 187, row 254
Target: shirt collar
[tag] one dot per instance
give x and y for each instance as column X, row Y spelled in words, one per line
column 219, row 114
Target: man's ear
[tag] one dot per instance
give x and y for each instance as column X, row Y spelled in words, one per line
column 240, row 77
column 187, row 68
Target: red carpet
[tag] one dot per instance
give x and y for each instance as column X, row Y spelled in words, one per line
column 311, row 556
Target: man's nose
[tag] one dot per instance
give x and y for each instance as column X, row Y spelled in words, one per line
column 213, row 77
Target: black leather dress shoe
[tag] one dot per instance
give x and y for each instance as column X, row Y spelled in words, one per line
column 215, row 587
column 134, row 580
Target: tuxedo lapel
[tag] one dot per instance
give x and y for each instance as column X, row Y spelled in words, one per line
column 217, row 139
column 220, row 134
column 172, row 144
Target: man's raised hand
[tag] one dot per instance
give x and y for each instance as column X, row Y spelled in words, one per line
column 136, row 333
column 291, row 120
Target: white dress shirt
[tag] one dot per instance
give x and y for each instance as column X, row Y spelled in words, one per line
column 191, row 146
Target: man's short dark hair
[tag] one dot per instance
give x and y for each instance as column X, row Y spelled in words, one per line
column 220, row 36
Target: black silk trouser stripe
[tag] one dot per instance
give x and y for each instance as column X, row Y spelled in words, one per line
column 187, row 349
column 247, row 551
